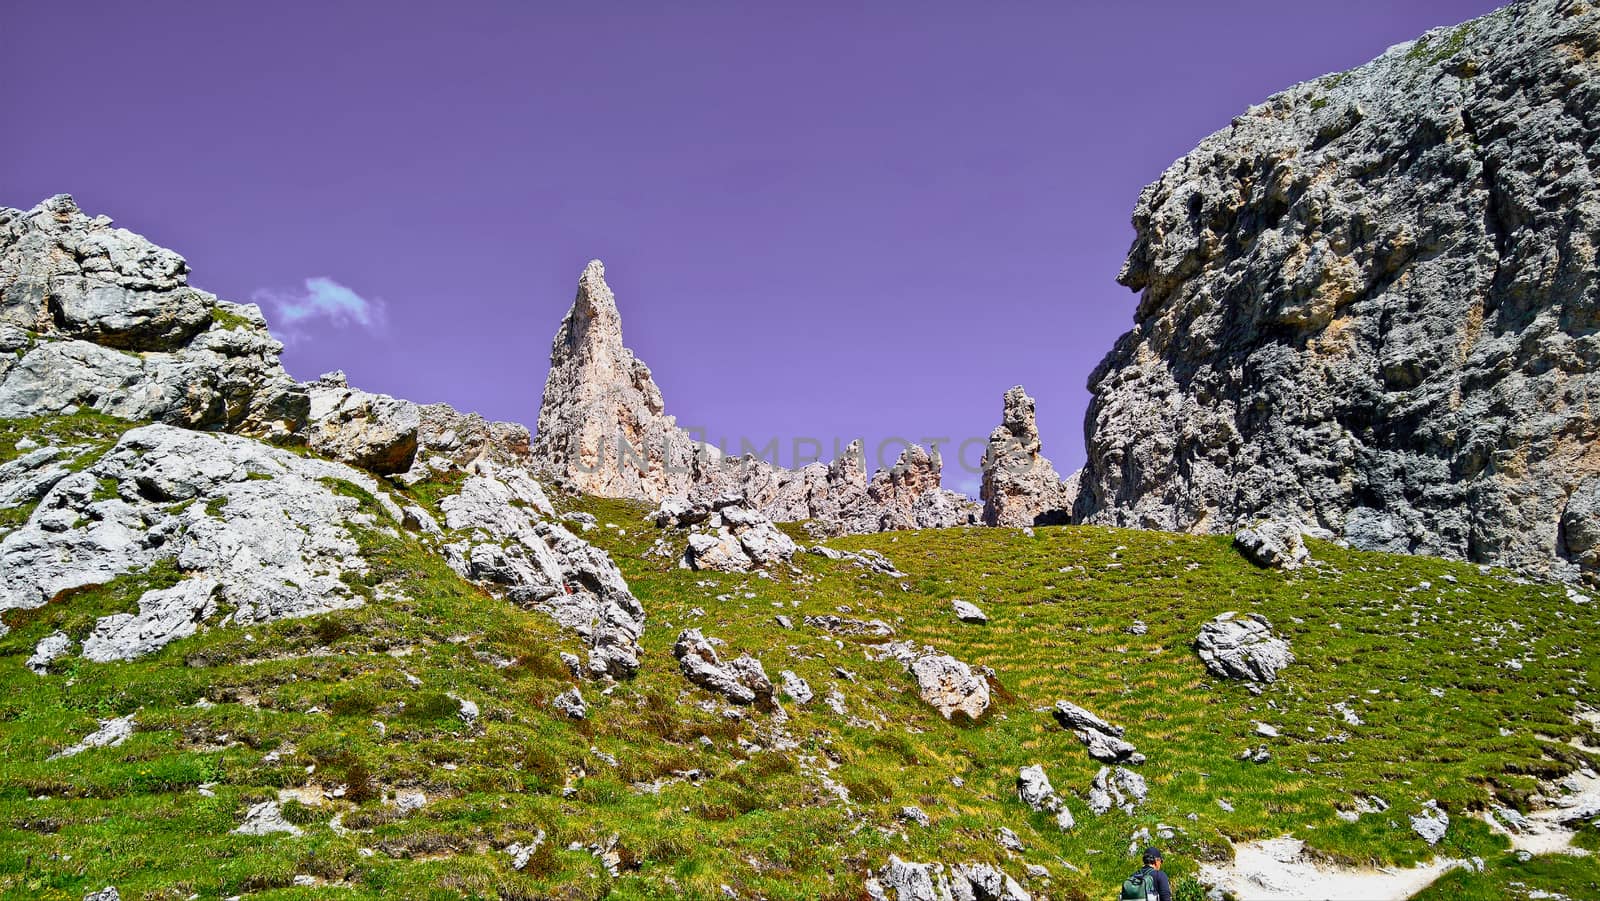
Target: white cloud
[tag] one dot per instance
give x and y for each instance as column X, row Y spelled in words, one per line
column 325, row 299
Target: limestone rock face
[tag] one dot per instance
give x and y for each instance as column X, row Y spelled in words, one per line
column 503, row 536
column 116, row 328
column 450, row 439
column 1020, row 487
column 603, row 429
column 1369, row 304
column 257, row 527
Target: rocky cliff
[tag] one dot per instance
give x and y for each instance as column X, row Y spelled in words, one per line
column 603, row 430
column 1371, row 303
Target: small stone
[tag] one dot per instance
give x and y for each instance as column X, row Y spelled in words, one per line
column 912, row 814
column 571, row 703
column 1430, row 825
column 968, row 612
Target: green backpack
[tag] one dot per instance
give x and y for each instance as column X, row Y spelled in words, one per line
column 1140, row 886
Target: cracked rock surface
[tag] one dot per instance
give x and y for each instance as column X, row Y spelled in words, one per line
column 1370, row 305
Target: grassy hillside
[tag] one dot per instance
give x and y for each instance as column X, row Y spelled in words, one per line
column 688, row 797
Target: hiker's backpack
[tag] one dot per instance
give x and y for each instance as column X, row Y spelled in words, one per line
column 1141, row 886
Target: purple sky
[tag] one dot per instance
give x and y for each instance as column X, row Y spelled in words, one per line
column 831, row 221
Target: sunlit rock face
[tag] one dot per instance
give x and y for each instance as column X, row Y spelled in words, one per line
column 1370, row 305
column 604, row 430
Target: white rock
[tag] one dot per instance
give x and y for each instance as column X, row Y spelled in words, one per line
column 111, row 733
column 164, row 616
column 968, row 612
column 266, row 818
column 49, row 648
column 1431, row 823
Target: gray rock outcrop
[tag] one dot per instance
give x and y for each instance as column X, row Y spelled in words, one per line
column 1116, row 787
column 1103, row 740
column 373, row 431
column 164, row 616
column 1020, row 487
column 603, row 430
column 49, row 648
column 1242, row 647
column 105, row 320
column 260, row 523
column 571, row 703
column 266, row 818
column 111, row 733
column 503, row 535
column 798, row 689
column 968, row 612
column 744, row 539
column 1369, row 304
column 900, row 880
column 1431, row 824
column 1035, row 790
column 741, row 680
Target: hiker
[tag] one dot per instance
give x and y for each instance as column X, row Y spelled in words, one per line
column 1149, row 884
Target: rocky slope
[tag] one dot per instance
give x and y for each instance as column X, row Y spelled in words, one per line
column 101, row 320
column 1371, row 304
column 603, row 430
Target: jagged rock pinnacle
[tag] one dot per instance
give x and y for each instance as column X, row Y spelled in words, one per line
column 1020, row 487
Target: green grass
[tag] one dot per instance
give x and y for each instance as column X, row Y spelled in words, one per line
column 1431, row 51
column 224, row 319
column 250, row 711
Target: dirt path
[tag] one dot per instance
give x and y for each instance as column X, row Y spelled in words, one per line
column 1277, row 870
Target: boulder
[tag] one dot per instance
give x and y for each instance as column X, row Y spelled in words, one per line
column 968, row 612
column 1243, row 647
column 1430, row 825
column 1117, row 787
column 741, row 680
column 837, row 625
column 265, row 819
column 1104, row 741
column 900, row 880
column 372, row 431
column 744, row 538
column 1274, row 544
column 571, row 703
column 1035, row 790
column 795, row 687
column 951, row 686
column 49, row 648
